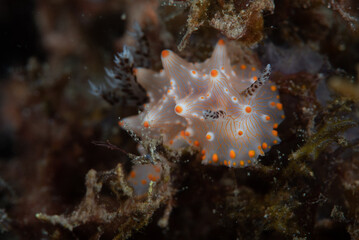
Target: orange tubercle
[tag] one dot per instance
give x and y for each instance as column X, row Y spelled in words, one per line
column 275, row 125
column 196, row 143
column 132, row 174
column 214, row 73
column 215, row 158
column 273, row 88
column 143, row 181
column 251, row 153
column 243, row 66
column 248, row 109
column 165, row 53
column 275, row 133
column 221, row 42
column 267, row 118
column 178, row 109
column 255, row 78
column 232, row 154
column 146, row 124
column 241, row 163
column 240, row 133
column 279, row 106
column 264, row 145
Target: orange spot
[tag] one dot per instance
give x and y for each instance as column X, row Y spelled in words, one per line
column 279, row 106
column 264, row 145
column 282, row 116
column 134, row 71
column 215, row 158
column 248, row 109
column 232, row 154
column 157, row 169
column 209, row 162
column 171, row 142
column 225, row 162
column 249, row 161
column 274, row 132
column 132, row 174
column 151, row 177
column 202, row 97
column 273, row 88
column 275, row 125
column 253, row 68
column 214, row 73
column 182, row 133
column 229, row 163
column 243, row 66
column 272, row 104
column 203, row 152
column 222, row 68
column 275, row 141
column 165, row 53
column 120, row 123
column 234, row 99
column 143, row 181
column 259, row 147
column 196, row 143
column 267, row 118
column 208, row 136
column 221, row 42
column 251, row 153
column 193, row 72
column 234, row 163
column 187, row 133
column 169, row 91
column 241, row 163
column 203, row 157
column 240, row 133
column 255, row 78
column 207, row 94
column 178, row 109
column 146, row 124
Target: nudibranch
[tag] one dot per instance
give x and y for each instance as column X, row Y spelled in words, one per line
column 230, row 113
column 141, row 176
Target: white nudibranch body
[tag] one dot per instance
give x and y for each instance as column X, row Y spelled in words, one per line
column 230, row 114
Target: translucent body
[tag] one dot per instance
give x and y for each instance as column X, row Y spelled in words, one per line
column 204, row 105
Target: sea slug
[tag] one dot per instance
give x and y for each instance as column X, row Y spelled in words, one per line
column 230, row 113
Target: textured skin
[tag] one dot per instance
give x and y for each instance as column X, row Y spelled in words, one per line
column 230, row 113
